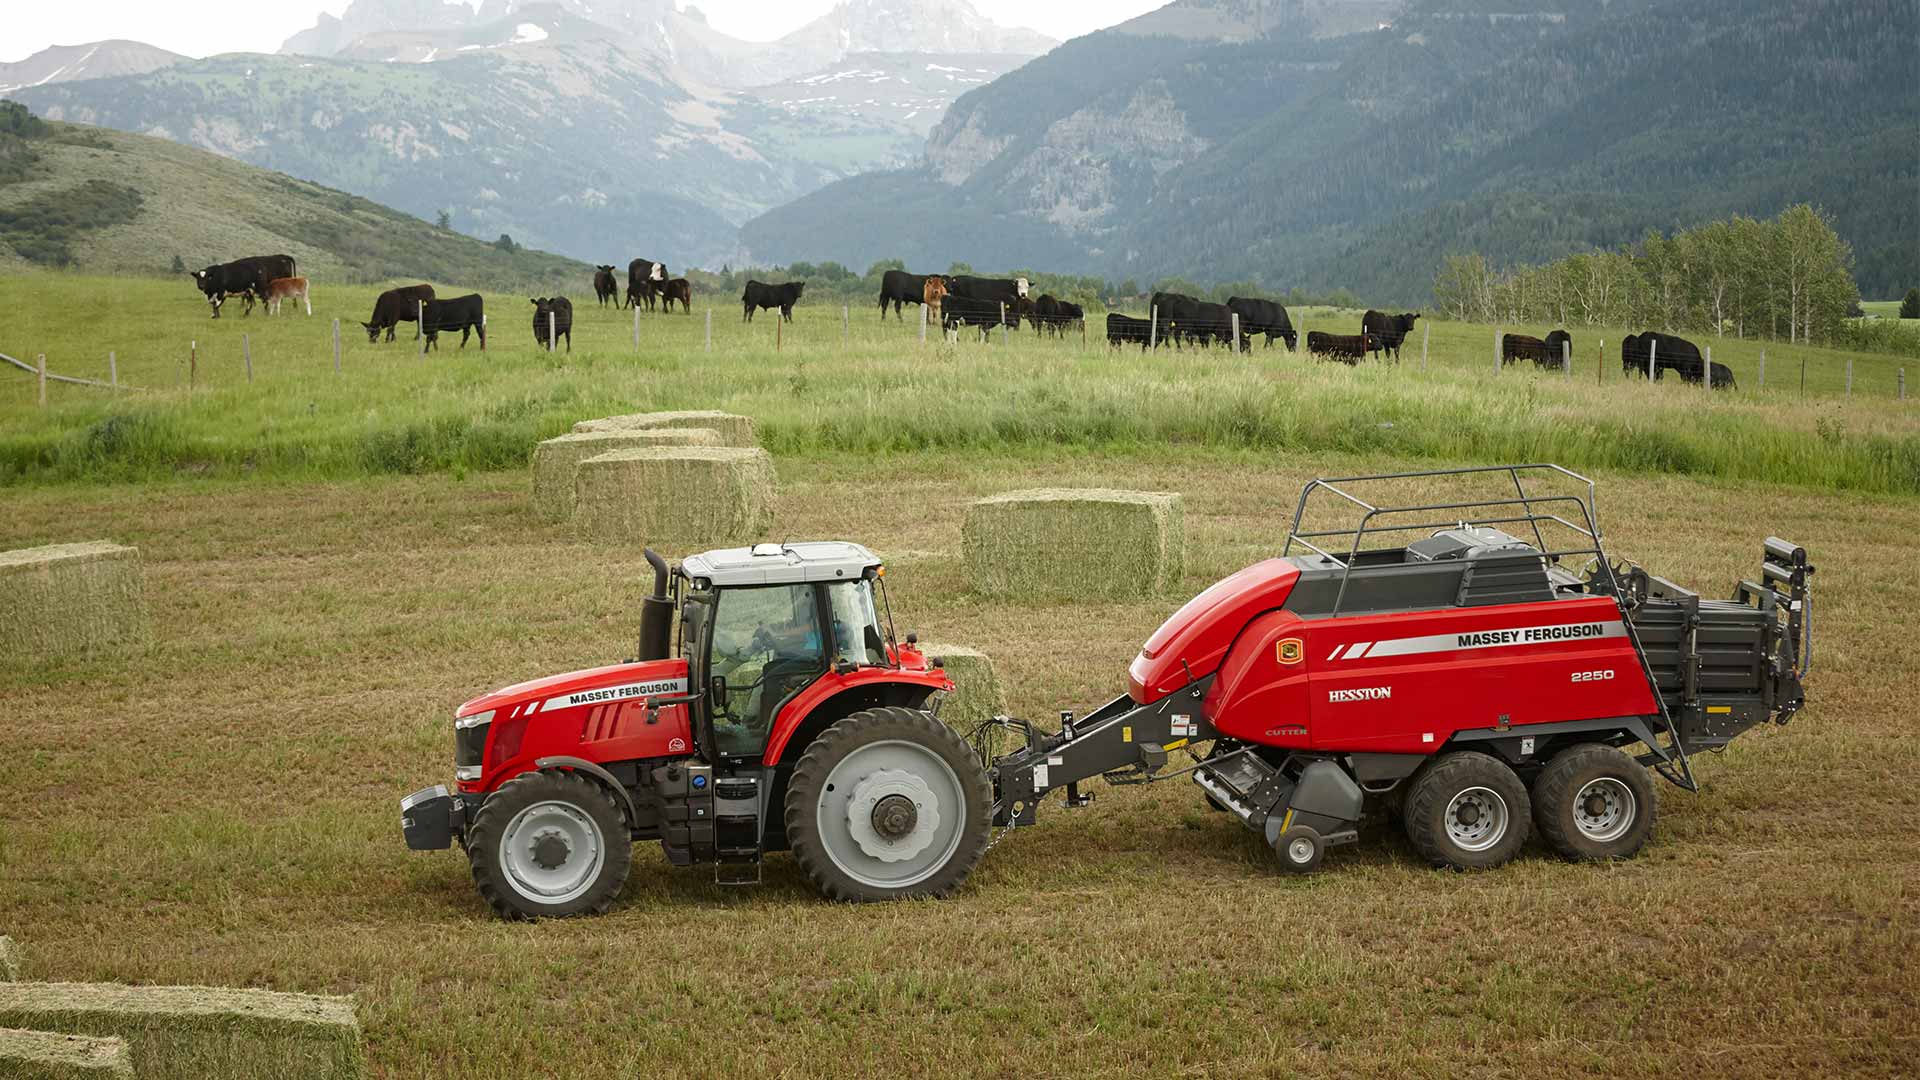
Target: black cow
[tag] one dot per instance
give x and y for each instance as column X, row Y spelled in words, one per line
column 1125, row 329
column 605, row 286
column 1560, row 347
column 761, row 295
column 1521, row 347
column 559, row 310
column 1068, row 315
column 248, row 276
column 899, row 287
column 466, row 314
column 1665, row 351
column 958, row 311
column 1346, row 348
column 1386, row 331
column 678, row 289
column 644, row 278
column 1184, row 318
column 1259, row 316
column 396, row 306
column 1009, row 291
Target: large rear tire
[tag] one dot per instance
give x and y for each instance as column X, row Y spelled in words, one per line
column 547, row 845
column 1467, row 811
column 886, row 804
column 1594, row 802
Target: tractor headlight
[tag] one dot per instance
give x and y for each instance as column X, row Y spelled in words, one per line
column 470, row 743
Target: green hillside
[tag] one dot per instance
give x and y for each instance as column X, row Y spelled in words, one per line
column 104, row 201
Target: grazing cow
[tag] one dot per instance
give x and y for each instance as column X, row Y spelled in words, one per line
column 678, row 289
column 898, row 287
column 1009, row 291
column 931, row 293
column 605, row 287
column 1067, row 315
column 1054, row 315
column 396, row 306
column 282, row 288
column 1521, row 347
column 1349, row 349
column 249, row 276
column 1125, row 329
column 466, row 314
column 1560, row 347
column 761, row 295
column 1386, row 331
column 1259, row 316
column 1722, row 377
column 1184, row 318
column 1667, row 353
column 557, row 312
column 957, row 311
column 644, row 278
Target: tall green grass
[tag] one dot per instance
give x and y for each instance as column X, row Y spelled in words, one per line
column 874, row 389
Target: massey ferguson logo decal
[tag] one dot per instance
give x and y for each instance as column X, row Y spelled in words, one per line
column 1360, row 693
column 623, row 692
column 1501, row 637
column 1531, row 634
column 1290, row 650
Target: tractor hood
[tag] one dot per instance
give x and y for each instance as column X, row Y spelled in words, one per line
column 615, row 682
column 1198, row 636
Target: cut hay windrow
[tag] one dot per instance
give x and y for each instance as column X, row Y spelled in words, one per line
column 977, row 692
column 53, row 1055
column 68, row 600
column 555, row 460
column 735, row 430
column 9, row 959
column 199, row 1031
column 699, row 494
column 1075, row 543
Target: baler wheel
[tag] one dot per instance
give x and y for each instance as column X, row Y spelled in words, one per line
column 888, row 803
column 1299, row 849
column 548, row 845
column 1594, row 802
column 1467, row 811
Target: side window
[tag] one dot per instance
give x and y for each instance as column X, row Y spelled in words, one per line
column 767, row 645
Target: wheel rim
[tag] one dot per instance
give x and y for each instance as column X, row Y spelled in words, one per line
column 1604, row 810
column 1300, row 850
column 552, row 852
column 865, row 822
column 1476, row 819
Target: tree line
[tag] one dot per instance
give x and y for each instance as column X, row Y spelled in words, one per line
column 1788, row 277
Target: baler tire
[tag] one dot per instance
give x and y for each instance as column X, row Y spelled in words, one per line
column 498, row 811
column 1285, row 844
column 1573, row 771
column 808, row 787
column 1451, row 776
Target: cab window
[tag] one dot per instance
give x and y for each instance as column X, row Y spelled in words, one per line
column 767, row 645
column 857, row 636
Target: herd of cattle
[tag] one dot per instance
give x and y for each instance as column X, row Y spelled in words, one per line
column 952, row 301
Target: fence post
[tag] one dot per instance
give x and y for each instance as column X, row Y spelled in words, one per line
column 846, row 319
column 1803, row 373
column 113, row 371
column 483, row 331
column 1566, row 358
column 1600, row 362
column 1903, row 384
column 1652, row 348
column 1849, row 376
column 923, row 324
column 43, row 380
column 336, row 346
column 1496, row 349
column 552, row 326
column 193, row 365
column 1763, row 367
column 1426, row 332
column 246, row 352
column 1236, row 331
column 636, row 325
column 420, row 323
column 709, row 327
column 1153, row 327
column 777, row 320
column 1706, row 376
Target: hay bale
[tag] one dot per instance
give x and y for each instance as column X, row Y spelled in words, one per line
column 199, row 1031
column 1075, row 543
column 51, row 1055
column 702, row 493
column 977, row 693
column 70, row 600
column 555, row 460
column 9, row 959
column 735, row 430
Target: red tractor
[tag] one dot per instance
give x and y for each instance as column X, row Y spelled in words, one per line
column 1467, row 680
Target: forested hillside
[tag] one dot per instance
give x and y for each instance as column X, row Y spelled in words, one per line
column 1362, row 159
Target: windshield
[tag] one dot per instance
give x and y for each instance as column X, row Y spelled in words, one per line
column 858, row 636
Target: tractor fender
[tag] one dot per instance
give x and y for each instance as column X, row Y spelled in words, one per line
column 606, row 779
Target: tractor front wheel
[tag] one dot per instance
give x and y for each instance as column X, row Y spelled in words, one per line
column 1467, row 811
column 888, row 803
column 1594, row 802
column 549, row 844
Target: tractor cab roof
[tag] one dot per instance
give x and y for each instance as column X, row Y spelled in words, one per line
column 780, row 564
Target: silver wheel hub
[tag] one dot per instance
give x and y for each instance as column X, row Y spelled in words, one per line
column 552, row 852
column 1476, row 819
column 1604, row 810
column 1300, row 850
column 893, row 815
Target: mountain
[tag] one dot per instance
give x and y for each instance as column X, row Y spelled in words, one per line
column 1321, row 144
column 111, row 202
column 95, row 60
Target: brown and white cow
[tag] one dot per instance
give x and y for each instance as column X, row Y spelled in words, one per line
column 282, row 288
column 931, row 293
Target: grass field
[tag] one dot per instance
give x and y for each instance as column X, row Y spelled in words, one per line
column 221, row 808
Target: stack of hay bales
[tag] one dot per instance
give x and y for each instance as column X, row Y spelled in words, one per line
column 977, row 694
column 49, row 1055
column 69, row 600
column 198, row 1031
column 1075, row 543
column 704, row 493
column 556, row 460
column 735, row 430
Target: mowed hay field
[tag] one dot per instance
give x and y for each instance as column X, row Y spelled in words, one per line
column 222, row 807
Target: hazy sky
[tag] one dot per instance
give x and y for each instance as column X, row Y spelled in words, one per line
column 205, row 27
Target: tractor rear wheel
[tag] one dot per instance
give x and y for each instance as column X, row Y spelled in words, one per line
column 1467, row 811
column 549, row 844
column 1594, row 802
column 888, row 803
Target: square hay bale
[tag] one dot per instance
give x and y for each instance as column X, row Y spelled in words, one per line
column 977, row 692
column 735, row 430
column 700, row 493
column 555, row 460
column 1075, row 543
column 51, row 1055
column 9, row 959
column 69, row 600
column 199, row 1031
